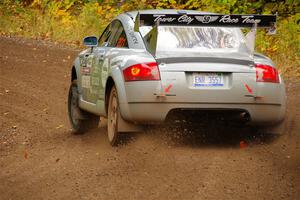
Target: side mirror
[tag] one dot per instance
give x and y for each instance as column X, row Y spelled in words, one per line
column 90, row 41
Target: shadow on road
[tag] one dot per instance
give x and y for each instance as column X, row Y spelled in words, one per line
column 227, row 136
column 186, row 134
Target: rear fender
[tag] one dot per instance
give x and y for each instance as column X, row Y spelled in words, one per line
column 124, row 59
column 271, row 91
column 260, row 58
column 123, row 124
column 118, row 79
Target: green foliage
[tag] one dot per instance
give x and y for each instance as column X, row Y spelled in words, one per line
column 284, row 47
column 70, row 20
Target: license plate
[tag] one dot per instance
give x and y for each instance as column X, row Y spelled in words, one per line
column 208, row 80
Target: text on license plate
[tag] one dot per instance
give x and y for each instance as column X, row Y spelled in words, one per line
column 208, row 80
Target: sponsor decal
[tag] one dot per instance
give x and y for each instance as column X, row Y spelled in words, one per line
column 131, row 34
column 185, row 19
column 162, row 18
column 86, row 81
column 228, row 19
column 104, row 73
column 250, row 20
column 95, row 81
column 89, row 61
column 82, row 61
column 206, row 19
column 248, row 88
column 182, row 19
column 85, row 70
column 246, row 19
column 133, row 37
column 94, row 91
column 167, row 89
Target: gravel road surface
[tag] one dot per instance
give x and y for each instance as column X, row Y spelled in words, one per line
column 41, row 159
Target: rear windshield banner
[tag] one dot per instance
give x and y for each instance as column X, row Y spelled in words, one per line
column 208, row 20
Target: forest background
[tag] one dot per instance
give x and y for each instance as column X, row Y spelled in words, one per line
column 68, row 21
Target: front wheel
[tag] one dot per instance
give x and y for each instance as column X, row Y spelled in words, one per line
column 81, row 121
column 113, row 115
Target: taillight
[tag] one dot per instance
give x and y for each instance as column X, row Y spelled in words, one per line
column 142, row 72
column 266, row 73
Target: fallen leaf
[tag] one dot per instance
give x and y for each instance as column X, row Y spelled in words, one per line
column 25, row 154
column 14, row 127
column 60, row 126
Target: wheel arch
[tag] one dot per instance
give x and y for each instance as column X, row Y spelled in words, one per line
column 116, row 77
column 108, row 86
column 123, row 125
column 75, row 71
column 73, row 74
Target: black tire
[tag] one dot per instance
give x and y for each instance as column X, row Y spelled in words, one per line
column 112, row 118
column 81, row 121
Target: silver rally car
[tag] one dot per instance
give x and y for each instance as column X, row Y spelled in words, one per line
column 149, row 64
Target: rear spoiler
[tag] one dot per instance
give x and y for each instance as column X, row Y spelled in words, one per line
column 215, row 20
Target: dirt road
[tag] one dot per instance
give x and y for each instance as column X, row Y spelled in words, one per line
column 41, row 159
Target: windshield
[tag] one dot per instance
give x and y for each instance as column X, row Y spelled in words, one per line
column 189, row 39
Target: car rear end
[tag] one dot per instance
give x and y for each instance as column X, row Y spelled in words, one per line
column 206, row 70
column 180, row 89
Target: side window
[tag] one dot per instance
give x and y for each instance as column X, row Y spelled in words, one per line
column 105, row 36
column 119, row 38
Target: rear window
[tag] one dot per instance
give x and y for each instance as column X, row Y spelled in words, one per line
column 197, row 39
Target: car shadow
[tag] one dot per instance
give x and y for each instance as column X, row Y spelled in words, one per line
column 186, row 134
column 218, row 135
column 98, row 136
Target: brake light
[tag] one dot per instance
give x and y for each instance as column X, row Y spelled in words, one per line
column 142, row 72
column 266, row 73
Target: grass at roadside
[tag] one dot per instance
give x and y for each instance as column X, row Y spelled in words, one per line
column 68, row 21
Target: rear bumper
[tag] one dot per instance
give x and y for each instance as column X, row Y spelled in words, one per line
column 144, row 113
column 138, row 102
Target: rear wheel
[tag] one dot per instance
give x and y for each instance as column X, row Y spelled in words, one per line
column 81, row 121
column 113, row 115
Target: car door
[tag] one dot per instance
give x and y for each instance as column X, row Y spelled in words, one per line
column 92, row 62
column 99, row 60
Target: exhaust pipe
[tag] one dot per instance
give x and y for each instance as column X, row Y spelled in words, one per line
column 245, row 116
